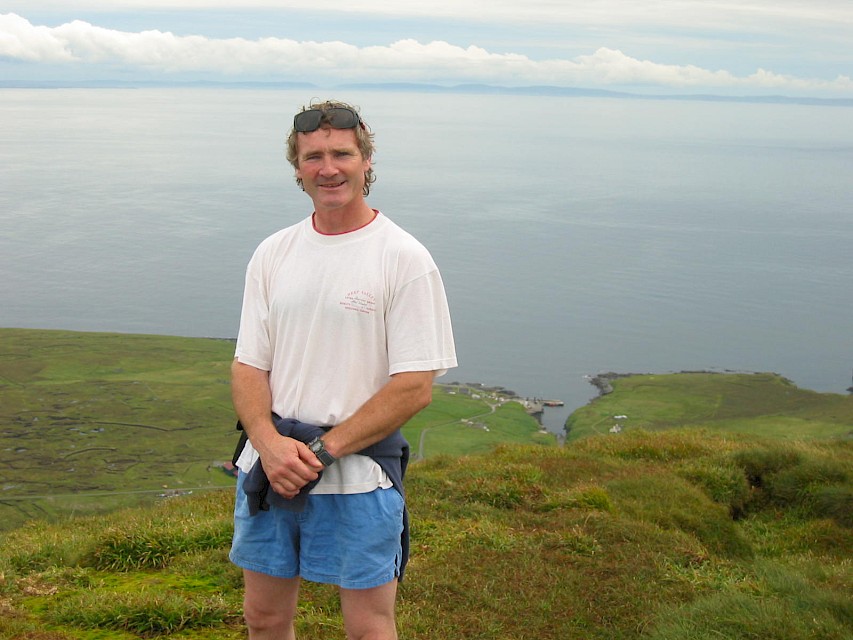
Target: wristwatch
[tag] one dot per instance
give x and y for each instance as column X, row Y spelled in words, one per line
column 319, row 449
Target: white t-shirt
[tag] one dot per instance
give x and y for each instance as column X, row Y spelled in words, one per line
column 332, row 318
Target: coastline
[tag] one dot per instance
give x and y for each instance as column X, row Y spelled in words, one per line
column 602, row 381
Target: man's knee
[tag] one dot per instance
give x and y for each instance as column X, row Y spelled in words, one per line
column 369, row 614
column 261, row 619
column 378, row 630
column 269, row 605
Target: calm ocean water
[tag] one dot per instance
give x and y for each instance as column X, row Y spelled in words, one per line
column 575, row 235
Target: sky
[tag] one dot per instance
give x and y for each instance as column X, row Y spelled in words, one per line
column 801, row 48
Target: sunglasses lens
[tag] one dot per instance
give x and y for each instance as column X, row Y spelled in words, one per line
column 337, row 117
column 342, row 118
column 307, row 120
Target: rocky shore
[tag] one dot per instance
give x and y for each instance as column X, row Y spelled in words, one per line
column 602, row 381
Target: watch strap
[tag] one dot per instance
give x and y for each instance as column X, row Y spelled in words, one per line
column 319, row 449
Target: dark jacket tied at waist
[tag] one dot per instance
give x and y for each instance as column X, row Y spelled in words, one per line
column 391, row 454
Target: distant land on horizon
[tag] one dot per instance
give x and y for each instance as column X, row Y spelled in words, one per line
column 533, row 90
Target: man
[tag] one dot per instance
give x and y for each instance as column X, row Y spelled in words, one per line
column 344, row 325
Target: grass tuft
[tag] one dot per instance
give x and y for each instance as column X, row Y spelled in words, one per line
column 782, row 605
column 147, row 613
column 152, row 545
column 721, row 480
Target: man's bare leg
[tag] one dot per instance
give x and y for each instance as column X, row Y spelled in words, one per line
column 369, row 613
column 269, row 606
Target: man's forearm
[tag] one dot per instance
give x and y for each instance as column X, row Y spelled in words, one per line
column 288, row 463
column 252, row 400
column 389, row 409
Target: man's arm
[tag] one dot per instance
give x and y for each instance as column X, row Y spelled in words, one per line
column 389, row 409
column 288, row 463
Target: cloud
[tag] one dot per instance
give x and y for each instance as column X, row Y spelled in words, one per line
column 19, row 40
column 81, row 43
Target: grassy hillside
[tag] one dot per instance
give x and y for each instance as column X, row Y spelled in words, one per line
column 87, row 417
column 662, row 536
column 759, row 404
column 92, row 421
column 698, row 521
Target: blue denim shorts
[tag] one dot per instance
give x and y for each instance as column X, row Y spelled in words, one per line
column 353, row 540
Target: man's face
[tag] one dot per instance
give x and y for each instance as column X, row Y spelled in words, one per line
column 331, row 168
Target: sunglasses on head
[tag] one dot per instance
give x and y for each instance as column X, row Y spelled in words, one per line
column 336, row 117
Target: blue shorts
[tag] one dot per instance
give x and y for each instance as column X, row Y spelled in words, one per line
column 353, row 540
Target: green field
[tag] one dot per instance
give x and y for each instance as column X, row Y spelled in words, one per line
column 723, row 508
column 93, row 421
column 759, row 404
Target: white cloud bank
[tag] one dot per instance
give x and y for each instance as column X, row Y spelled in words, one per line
column 79, row 43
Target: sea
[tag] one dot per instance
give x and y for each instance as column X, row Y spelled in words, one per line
column 575, row 235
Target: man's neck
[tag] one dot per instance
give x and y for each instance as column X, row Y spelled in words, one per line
column 335, row 221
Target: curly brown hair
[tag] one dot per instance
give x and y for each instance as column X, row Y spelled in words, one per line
column 363, row 136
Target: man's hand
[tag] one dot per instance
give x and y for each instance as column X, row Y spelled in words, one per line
column 289, row 464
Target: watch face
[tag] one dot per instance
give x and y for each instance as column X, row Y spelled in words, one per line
column 319, row 449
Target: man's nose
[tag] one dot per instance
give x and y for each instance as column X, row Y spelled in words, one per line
column 328, row 167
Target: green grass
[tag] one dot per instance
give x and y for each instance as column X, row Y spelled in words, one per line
column 699, row 525
column 88, row 419
column 609, row 538
column 461, row 425
column 760, row 404
column 91, row 422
